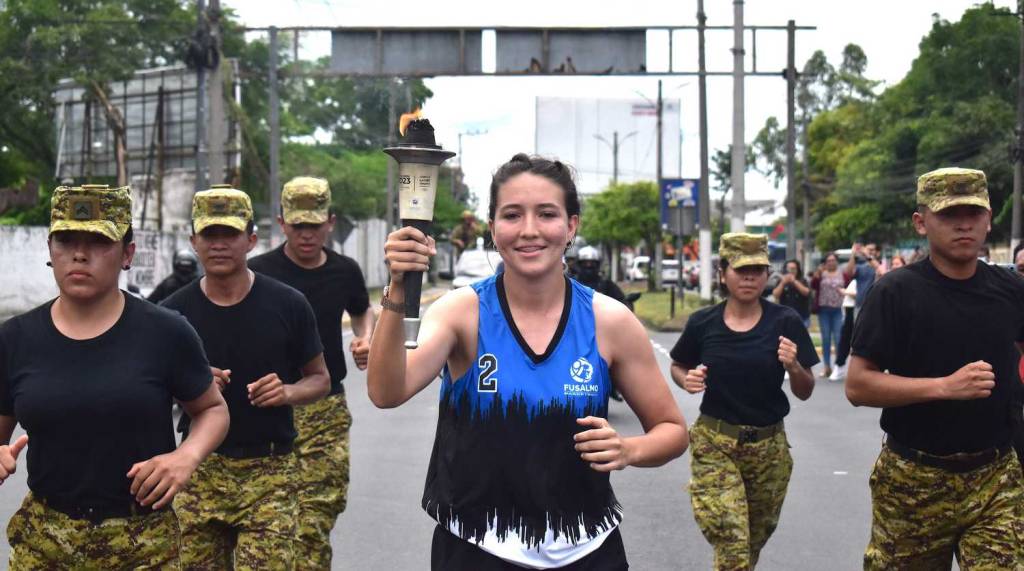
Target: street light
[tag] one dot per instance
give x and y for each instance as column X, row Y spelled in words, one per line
column 472, row 133
column 614, row 146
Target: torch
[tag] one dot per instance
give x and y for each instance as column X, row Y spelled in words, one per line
column 419, row 159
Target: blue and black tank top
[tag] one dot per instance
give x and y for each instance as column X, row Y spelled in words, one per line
column 504, row 460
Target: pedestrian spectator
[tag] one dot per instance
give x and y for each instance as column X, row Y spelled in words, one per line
column 846, row 334
column 936, row 349
column 794, row 292
column 896, row 261
column 464, row 235
column 519, row 476
column 333, row 284
column 864, row 267
column 239, row 510
column 983, row 254
column 91, row 376
column 829, row 285
column 736, row 353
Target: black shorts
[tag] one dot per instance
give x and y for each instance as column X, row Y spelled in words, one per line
column 450, row 553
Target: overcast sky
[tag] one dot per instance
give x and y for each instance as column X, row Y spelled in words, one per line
column 888, row 30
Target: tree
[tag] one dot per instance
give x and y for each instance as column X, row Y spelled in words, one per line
column 955, row 107
column 95, row 43
column 625, row 213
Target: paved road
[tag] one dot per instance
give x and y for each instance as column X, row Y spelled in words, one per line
column 824, row 522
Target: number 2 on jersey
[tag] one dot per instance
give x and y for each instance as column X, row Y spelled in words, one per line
column 487, row 382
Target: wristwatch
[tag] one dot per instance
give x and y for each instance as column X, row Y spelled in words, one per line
column 390, row 305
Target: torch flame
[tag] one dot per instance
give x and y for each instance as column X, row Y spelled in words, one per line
column 407, row 118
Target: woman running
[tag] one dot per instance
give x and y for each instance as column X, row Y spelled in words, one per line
column 91, row 376
column 519, row 475
column 738, row 352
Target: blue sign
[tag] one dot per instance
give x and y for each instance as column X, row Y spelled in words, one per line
column 682, row 192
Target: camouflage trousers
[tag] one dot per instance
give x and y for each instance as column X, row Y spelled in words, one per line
column 239, row 514
column 322, row 477
column 922, row 516
column 44, row 538
column 737, row 492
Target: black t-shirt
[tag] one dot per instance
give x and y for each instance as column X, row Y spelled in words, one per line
column 919, row 323
column 744, row 376
column 791, row 297
column 94, row 407
column 335, row 287
column 272, row 330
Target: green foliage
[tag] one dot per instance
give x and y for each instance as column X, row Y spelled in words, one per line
column 43, row 41
column 103, row 41
column 839, row 230
column 624, row 213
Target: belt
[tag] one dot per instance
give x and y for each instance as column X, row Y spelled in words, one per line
column 242, row 451
column 742, row 434
column 97, row 514
column 959, row 463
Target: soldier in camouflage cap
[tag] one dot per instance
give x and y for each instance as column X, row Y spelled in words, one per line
column 737, row 353
column 92, row 208
column 741, row 249
column 943, row 188
column 102, row 473
column 936, row 348
column 221, row 206
column 306, row 200
column 239, row 511
column 334, row 285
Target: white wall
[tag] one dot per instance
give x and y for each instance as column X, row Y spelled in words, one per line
column 25, row 280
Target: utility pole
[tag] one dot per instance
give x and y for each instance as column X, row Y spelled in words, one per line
column 201, row 165
column 615, row 145
column 452, row 166
column 704, row 204
column 275, row 142
column 615, row 158
column 658, row 254
column 215, row 126
column 791, row 142
column 1018, row 155
column 739, row 157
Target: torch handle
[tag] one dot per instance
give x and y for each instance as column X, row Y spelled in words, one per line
column 413, row 282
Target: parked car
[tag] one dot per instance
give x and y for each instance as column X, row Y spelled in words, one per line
column 475, row 265
column 669, row 272
column 691, row 274
column 637, row 270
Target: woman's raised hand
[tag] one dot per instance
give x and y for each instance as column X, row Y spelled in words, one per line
column 408, row 250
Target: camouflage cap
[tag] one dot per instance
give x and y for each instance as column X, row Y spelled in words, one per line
column 306, row 200
column 92, row 208
column 947, row 187
column 741, row 249
column 221, row 206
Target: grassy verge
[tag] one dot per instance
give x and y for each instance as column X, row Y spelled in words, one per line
column 655, row 311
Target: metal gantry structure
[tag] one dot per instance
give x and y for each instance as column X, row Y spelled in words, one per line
column 463, row 44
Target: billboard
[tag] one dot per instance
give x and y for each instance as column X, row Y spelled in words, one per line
column 412, row 52
column 582, row 132
column 600, row 51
